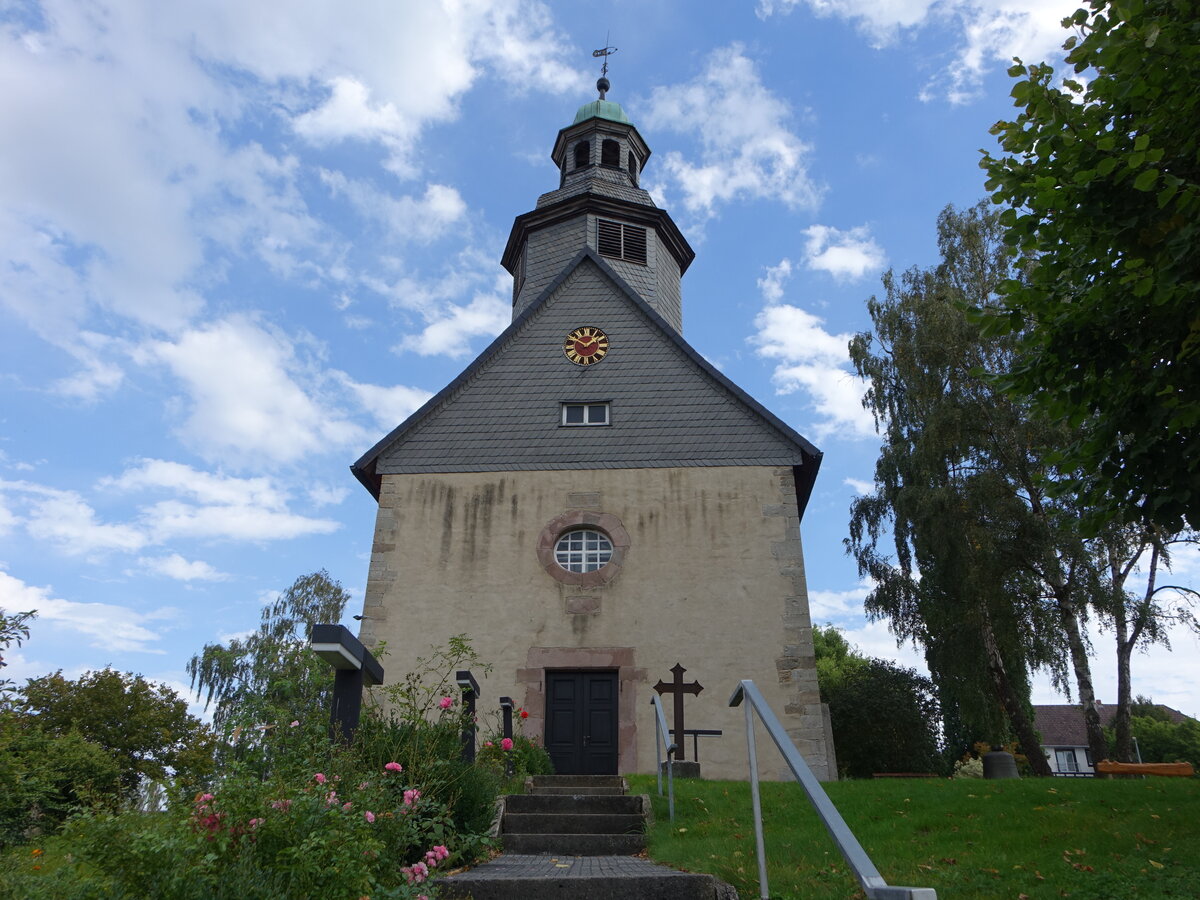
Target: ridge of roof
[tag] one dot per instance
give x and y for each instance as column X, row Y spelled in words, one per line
column 364, row 467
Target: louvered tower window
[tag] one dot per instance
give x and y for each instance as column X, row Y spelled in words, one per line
column 621, row 241
column 582, row 153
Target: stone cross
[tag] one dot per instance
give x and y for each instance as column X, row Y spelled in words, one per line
column 678, row 688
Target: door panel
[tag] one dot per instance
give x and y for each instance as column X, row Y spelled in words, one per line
column 581, row 722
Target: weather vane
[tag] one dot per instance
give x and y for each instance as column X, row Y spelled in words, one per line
column 602, row 84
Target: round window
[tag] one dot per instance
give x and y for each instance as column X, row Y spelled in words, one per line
column 583, row 550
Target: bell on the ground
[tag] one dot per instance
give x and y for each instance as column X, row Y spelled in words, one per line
column 999, row 764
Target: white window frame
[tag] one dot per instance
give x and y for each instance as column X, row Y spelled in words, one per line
column 586, row 550
column 1061, row 753
column 587, row 407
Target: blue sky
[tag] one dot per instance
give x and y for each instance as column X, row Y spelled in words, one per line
column 242, row 241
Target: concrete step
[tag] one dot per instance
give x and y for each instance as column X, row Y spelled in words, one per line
column 573, row 823
column 574, row 844
column 545, row 877
column 577, row 792
column 551, row 804
column 582, row 783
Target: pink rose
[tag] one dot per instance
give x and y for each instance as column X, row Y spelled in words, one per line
column 446, row 702
column 319, row 778
column 506, row 744
column 369, row 816
column 346, row 806
column 394, row 767
column 294, row 724
column 416, row 873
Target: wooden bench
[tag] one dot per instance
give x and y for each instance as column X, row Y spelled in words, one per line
column 1176, row 769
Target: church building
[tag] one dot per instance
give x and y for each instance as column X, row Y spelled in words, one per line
column 593, row 503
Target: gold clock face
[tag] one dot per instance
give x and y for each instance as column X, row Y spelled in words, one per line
column 585, row 346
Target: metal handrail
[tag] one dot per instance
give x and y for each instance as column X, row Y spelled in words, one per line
column 856, row 857
column 660, row 741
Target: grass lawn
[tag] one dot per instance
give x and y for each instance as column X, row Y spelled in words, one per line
column 967, row 838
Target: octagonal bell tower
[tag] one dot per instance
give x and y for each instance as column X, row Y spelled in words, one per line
column 598, row 204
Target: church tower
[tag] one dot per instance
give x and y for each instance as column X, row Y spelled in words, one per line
column 592, row 503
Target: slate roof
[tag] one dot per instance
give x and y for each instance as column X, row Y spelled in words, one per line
column 1061, row 725
column 670, row 407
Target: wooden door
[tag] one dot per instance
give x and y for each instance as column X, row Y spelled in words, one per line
column 581, row 721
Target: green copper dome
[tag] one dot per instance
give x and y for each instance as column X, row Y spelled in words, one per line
column 602, row 109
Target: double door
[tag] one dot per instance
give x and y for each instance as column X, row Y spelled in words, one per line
column 581, row 721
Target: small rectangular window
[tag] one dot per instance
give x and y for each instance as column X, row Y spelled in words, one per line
column 585, row 413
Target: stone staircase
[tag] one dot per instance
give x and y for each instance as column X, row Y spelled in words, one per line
column 574, row 815
column 575, row 837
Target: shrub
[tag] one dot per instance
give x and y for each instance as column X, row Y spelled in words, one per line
column 45, row 777
column 969, row 767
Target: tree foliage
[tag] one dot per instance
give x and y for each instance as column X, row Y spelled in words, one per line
column 14, row 629
column 836, row 659
column 884, row 716
column 145, row 727
column 270, row 675
column 1103, row 183
column 1139, row 618
column 1165, row 741
column 44, row 777
column 964, row 582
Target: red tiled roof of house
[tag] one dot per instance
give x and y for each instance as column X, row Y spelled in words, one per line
column 1062, row 725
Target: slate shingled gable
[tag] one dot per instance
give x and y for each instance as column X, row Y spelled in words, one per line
column 501, row 412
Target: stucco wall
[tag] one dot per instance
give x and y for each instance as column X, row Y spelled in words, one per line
column 713, row 578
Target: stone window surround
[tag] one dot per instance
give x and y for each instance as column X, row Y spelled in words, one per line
column 607, row 523
column 533, row 677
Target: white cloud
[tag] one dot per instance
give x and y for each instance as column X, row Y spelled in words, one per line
column 116, row 628
column 134, row 187
column 389, row 405
column 203, row 505
column 772, row 283
column 449, row 333
column 175, row 566
column 816, row 362
column 860, row 487
column 846, row 255
column 835, row 606
column 747, row 148
column 8, row 519
column 991, row 32
column 327, row 494
column 246, row 396
column 420, row 219
column 65, row 519
column 215, row 505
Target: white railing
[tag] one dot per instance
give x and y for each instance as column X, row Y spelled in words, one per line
column 663, row 748
column 864, row 870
